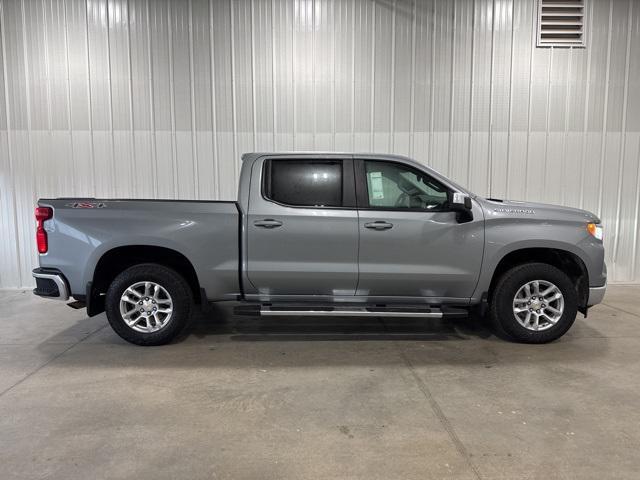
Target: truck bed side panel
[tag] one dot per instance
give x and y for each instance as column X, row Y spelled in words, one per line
column 206, row 233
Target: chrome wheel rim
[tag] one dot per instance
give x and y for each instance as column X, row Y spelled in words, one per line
column 146, row 307
column 538, row 305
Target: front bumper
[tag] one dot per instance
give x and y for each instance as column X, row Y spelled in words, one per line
column 596, row 294
column 50, row 283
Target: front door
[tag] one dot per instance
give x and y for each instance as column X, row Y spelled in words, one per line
column 411, row 244
column 303, row 227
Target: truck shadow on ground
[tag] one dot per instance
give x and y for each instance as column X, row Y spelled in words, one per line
column 265, row 329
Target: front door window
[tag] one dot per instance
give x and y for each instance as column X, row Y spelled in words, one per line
column 397, row 186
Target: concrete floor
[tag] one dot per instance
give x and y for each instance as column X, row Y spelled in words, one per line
column 251, row 398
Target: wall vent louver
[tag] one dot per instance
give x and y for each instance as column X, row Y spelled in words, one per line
column 561, row 23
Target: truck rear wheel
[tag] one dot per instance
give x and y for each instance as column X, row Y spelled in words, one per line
column 534, row 303
column 148, row 304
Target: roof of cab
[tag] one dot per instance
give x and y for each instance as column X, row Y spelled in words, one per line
column 294, row 154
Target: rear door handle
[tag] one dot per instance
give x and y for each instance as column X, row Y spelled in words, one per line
column 268, row 223
column 379, row 225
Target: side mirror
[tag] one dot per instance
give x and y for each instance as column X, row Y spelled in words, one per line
column 461, row 204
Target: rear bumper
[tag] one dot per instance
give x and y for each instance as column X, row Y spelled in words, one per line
column 596, row 294
column 50, row 283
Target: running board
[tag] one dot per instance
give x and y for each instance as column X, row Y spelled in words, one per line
column 350, row 311
column 346, row 312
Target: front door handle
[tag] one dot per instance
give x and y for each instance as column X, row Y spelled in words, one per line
column 379, row 225
column 268, row 223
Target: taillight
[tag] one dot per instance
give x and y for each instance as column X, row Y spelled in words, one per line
column 42, row 214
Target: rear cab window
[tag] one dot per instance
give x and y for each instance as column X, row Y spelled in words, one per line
column 304, row 182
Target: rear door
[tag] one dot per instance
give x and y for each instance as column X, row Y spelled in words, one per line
column 411, row 244
column 302, row 227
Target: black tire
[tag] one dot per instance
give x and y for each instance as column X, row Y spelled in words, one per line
column 171, row 281
column 501, row 308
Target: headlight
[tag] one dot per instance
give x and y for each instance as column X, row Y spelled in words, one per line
column 596, row 230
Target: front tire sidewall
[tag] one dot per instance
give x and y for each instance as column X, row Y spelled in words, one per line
column 506, row 289
column 175, row 285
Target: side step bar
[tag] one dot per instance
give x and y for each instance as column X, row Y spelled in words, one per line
column 350, row 311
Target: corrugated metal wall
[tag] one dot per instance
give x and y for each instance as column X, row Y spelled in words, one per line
column 146, row 98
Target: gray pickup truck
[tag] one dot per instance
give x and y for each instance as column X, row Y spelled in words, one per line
column 323, row 234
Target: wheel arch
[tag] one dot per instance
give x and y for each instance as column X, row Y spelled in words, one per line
column 569, row 262
column 114, row 261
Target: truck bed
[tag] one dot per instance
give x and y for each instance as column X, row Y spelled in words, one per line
column 205, row 232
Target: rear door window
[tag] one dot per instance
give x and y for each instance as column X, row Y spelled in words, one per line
column 304, row 183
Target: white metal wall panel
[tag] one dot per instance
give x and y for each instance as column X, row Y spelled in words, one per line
column 159, row 98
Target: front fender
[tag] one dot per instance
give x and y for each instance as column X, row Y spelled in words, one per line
column 582, row 245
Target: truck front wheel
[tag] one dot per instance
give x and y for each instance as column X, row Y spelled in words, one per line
column 148, row 304
column 534, row 303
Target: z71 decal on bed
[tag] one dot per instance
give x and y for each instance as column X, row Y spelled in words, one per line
column 86, row 205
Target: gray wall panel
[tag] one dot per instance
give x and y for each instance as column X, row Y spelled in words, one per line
column 145, row 98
